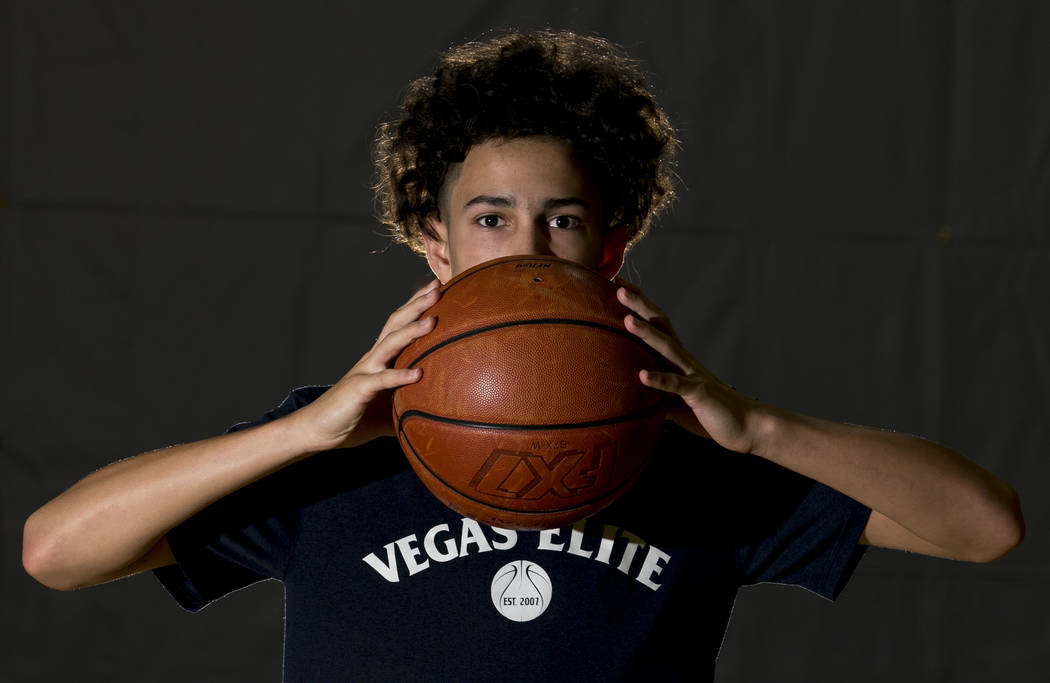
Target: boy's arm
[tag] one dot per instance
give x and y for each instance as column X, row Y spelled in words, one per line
column 103, row 524
column 924, row 497
column 113, row 522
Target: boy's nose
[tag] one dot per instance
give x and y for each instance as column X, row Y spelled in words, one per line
column 534, row 242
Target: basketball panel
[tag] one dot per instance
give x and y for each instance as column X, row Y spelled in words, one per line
column 538, row 374
column 528, row 478
column 518, row 288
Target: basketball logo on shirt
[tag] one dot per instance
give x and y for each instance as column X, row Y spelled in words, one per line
column 521, row 590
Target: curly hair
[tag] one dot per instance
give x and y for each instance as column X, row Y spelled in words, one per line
column 553, row 83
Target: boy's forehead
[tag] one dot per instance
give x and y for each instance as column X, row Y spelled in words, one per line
column 528, row 165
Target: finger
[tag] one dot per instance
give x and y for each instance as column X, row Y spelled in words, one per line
column 665, row 344
column 664, row 381
column 682, row 415
column 645, row 308
column 433, row 284
column 626, row 283
column 370, row 385
column 685, row 386
column 388, row 348
column 412, row 309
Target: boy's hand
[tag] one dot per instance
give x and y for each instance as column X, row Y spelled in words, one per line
column 924, row 497
column 708, row 407
column 357, row 408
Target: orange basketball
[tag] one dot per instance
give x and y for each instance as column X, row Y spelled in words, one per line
column 529, row 413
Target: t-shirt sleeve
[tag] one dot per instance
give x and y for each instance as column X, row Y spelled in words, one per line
column 812, row 539
column 769, row 524
column 246, row 537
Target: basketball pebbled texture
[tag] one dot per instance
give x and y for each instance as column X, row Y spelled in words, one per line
column 530, row 413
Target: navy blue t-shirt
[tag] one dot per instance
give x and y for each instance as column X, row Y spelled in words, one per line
column 383, row 581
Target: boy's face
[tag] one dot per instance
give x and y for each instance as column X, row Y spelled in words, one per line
column 520, row 196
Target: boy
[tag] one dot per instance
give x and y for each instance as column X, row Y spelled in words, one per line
column 540, row 143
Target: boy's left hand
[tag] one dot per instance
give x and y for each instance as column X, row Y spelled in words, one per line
column 924, row 497
column 708, row 407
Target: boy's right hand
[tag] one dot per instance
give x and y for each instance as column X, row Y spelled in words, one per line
column 357, row 409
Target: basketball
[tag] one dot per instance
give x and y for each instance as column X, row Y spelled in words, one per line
column 529, row 413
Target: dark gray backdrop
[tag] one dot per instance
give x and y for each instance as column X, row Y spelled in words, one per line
column 862, row 235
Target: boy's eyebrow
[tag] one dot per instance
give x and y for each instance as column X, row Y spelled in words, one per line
column 511, row 202
column 492, row 200
column 565, row 201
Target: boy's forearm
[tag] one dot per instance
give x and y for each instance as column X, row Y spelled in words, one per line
column 113, row 516
column 929, row 489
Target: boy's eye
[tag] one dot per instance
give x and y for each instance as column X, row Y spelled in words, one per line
column 563, row 222
column 490, row 220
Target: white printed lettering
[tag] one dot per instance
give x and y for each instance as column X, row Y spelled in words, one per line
column 651, row 567
column 605, row 548
column 432, row 550
column 409, row 553
column 439, row 544
column 510, row 539
column 472, row 533
column 547, row 537
column 633, row 544
column 576, row 540
column 389, row 570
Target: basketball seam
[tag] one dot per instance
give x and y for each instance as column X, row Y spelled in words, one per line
column 537, row 321
column 637, row 415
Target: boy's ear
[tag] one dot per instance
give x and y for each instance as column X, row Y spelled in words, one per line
column 437, row 249
column 613, row 246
